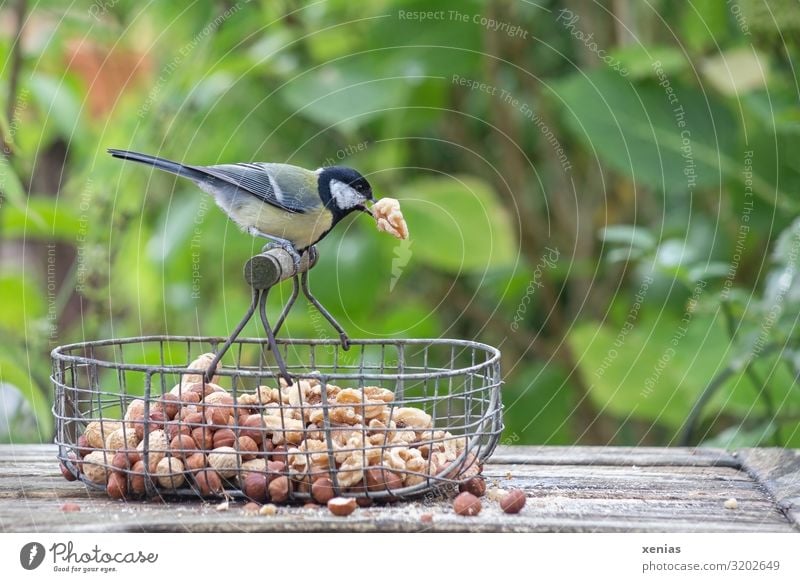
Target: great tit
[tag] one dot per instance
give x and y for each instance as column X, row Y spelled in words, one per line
column 291, row 206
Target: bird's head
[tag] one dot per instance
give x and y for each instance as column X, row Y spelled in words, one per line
column 344, row 190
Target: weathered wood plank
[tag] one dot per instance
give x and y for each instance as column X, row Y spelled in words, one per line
column 778, row 471
column 568, row 489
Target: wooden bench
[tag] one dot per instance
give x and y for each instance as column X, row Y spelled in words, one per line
column 569, row 489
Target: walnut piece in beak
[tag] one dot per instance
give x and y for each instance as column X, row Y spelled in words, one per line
column 389, row 218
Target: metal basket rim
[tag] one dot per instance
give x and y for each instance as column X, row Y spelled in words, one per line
column 58, row 354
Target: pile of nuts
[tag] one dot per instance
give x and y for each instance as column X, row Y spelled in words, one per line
column 271, row 444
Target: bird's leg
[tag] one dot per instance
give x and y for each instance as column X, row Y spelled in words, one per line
column 315, row 302
column 277, row 243
column 262, row 309
column 289, row 304
column 226, row 346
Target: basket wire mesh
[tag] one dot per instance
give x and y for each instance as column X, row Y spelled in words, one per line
column 455, row 382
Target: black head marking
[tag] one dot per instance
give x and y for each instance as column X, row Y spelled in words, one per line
column 347, row 176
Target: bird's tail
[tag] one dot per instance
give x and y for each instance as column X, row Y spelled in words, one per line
column 160, row 163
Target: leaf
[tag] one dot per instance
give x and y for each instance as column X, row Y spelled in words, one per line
column 634, row 236
column 655, row 371
column 638, row 59
column 457, row 224
column 736, row 71
column 637, row 131
column 12, row 372
column 57, row 102
column 344, row 96
column 42, row 219
column 27, row 297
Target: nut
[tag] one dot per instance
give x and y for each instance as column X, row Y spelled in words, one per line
column 208, row 482
column 117, row 487
column 157, row 447
column 255, row 487
column 322, row 490
column 224, row 437
column 247, row 448
column 66, row 472
column 195, row 462
column 342, row 506
column 135, row 411
column 182, row 446
column 513, row 501
column 70, row 507
column 137, row 479
column 389, row 218
column 381, row 479
column 279, row 489
column 174, row 428
column 412, row 417
column 169, row 405
column 467, row 504
column 95, row 467
column 268, row 509
column 121, row 439
column 254, row 428
column 169, row 473
column 476, row 486
column 224, row 461
column 83, row 446
column 255, row 465
column 251, row 508
column 97, row 431
column 202, row 363
column 124, row 460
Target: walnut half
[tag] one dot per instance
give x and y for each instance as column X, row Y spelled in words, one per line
column 386, row 212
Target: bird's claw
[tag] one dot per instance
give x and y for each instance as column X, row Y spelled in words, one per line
column 345, row 341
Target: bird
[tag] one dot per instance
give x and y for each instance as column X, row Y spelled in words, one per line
column 290, row 206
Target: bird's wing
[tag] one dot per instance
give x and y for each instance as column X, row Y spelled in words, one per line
column 264, row 183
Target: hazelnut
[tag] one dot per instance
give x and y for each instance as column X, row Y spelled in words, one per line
column 279, row 489
column 70, row 507
column 83, row 446
column 124, row 460
column 253, row 427
column 135, row 411
column 247, row 448
column 218, row 415
column 169, row 472
column 322, row 490
column 182, row 446
column 224, row 437
column 175, row 428
column 95, row 468
column 513, row 501
column 169, row 405
column 467, row 504
column 208, row 482
column 426, row 518
column 279, row 453
column 251, row 508
column 381, row 479
column 255, row 487
column 137, row 479
column 65, row 471
column 117, row 487
column 195, row 462
column 224, row 461
column 476, row 486
column 97, row 431
column 203, row 438
column 342, row 506
column 158, row 421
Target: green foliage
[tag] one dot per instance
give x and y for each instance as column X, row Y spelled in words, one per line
column 669, row 194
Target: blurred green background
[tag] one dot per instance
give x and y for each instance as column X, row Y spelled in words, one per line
column 607, row 191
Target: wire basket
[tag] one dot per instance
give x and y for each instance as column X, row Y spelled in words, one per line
column 385, row 419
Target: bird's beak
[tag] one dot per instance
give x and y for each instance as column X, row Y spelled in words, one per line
column 364, row 208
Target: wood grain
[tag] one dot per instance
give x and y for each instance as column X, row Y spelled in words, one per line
column 569, row 489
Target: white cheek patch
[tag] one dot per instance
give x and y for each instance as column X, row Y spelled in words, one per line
column 345, row 196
